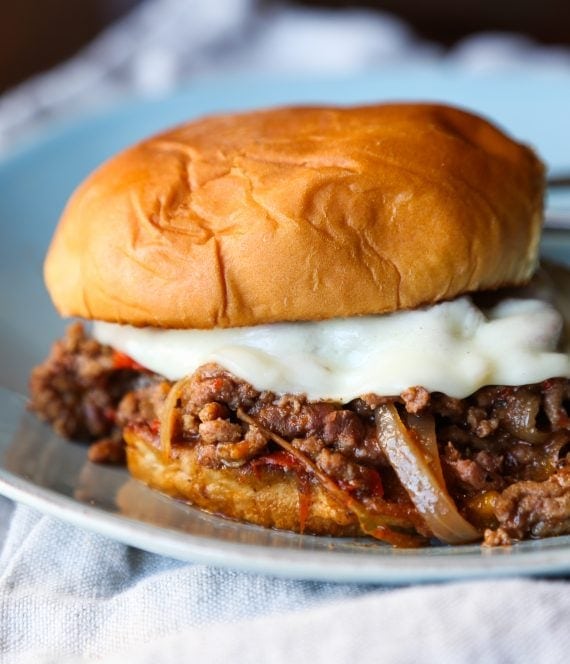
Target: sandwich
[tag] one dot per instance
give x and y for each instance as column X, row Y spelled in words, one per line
column 324, row 320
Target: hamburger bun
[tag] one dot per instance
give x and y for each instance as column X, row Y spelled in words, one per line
column 299, row 214
column 268, row 496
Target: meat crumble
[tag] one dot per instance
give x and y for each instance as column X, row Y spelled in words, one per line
column 505, row 451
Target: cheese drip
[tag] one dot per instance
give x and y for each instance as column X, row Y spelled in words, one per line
column 453, row 347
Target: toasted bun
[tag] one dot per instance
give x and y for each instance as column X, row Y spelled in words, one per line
column 268, row 497
column 299, row 213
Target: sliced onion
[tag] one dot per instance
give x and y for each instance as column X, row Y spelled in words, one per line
column 519, row 418
column 168, row 416
column 423, row 427
column 428, row 494
column 375, row 524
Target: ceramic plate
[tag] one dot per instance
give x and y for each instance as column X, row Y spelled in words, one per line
column 39, row 468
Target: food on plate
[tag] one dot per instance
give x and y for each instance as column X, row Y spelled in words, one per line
column 319, row 320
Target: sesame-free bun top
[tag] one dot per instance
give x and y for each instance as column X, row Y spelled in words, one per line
column 299, row 214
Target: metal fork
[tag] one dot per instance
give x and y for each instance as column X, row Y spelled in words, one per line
column 558, row 181
column 558, row 218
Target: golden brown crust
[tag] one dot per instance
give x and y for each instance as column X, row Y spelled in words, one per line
column 268, row 498
column 299, row 213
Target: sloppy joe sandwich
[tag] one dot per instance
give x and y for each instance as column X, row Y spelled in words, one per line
column 319, row 320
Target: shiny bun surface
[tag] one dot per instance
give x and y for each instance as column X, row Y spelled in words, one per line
column 299, row 214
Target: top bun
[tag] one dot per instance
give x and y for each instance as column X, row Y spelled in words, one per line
column 299, row 214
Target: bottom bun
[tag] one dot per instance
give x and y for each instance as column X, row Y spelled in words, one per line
column 267, row 496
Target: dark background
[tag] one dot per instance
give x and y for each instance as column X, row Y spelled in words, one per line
column 37, row 34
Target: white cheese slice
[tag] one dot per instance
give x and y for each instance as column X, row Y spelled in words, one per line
column 453, row 347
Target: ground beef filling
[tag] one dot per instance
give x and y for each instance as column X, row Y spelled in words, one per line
column 505, row 451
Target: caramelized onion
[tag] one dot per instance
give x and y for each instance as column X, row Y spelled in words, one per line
column 519, row 417
column 423, row 428
column 375, row 524
column 168, row 416
column 418, row 477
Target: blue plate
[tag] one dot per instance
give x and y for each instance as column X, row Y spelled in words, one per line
column 39, row 468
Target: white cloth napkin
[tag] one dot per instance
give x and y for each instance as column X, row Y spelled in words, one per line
column 486, row 623
column 65, row 591
column 67, row 595
column 70, row 596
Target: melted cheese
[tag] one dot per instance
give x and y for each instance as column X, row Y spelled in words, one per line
column 452, row 347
